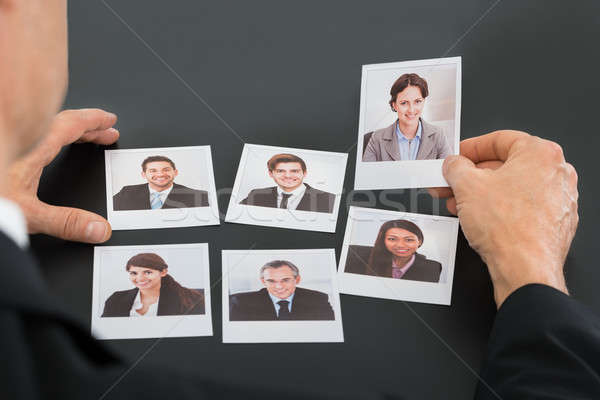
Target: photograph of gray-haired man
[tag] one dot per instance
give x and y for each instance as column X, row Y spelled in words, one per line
column 280, row 299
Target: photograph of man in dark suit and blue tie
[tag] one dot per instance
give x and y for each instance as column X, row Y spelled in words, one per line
column 289, row 171
column 160, row 191
column 280, row 299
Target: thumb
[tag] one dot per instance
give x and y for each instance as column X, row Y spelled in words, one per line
column 459, row 172
column 72, row 224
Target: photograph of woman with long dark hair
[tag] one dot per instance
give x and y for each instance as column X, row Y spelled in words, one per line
column 394, row 254
column 156, row 293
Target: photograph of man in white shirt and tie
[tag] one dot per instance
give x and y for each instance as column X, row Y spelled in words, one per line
column 289, row 172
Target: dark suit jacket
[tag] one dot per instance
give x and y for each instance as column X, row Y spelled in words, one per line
column 313, row 199
column 137, row 197
column 307, row 305
column 119, row 303
column 423, row 270
column 543, row 344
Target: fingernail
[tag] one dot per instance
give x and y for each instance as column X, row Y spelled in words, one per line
column 113, row 130
column 447, row 162
column 95, row 231
column 113, row 115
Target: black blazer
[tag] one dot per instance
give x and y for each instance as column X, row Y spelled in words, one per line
column 543, row 342
column 119, row 303
column 137, row 197
column 313, row 199
column 423, row 270
column 307, row 305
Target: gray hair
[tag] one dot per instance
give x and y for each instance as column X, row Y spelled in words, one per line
column 278, row 264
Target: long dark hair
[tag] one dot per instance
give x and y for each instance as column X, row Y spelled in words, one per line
column 188, row 298
column 380, row 260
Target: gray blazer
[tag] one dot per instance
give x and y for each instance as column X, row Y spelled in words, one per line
column 383, row 145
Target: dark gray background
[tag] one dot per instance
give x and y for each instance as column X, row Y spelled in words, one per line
column 288, row 74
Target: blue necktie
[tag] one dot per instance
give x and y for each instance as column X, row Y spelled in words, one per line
column 156, row 201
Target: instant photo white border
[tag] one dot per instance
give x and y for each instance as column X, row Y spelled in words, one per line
column 151, row 327
column 283, row 218
column 397, row 289
column 163, row 218
column 282, row 331
column 409, row 173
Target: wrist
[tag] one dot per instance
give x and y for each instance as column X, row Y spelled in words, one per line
column 511, row 272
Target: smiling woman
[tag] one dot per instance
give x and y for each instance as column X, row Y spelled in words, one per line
column 394, row 255
column 156, row 293
column 409, row 137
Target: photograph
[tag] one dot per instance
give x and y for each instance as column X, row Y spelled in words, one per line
column 167, row 187
column 409, row 123
column 287, row 188
column 280, row 296
column 151, row 291
column 398, row 255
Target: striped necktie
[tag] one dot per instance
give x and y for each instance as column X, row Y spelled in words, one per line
column 156, row 202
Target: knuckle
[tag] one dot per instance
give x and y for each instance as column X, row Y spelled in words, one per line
column 69, row 226
column 554, row 150
column 572, row 172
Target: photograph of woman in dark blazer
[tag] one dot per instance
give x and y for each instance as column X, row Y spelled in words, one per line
column 156, row 293
column 409, row 137
column 394, row 255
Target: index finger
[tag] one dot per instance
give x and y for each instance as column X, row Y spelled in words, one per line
column 70, row 126
column 495, row 146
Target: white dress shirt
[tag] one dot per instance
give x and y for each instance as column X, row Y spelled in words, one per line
column 12, row 223
column 137, row 304
column 294, row 199
column 163, row 195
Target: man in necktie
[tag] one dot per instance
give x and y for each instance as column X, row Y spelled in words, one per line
column 280, row 299
column 289, row 171
column 160, row 191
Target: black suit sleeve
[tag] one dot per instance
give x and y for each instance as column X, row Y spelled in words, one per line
column 109, row 306
column 328, row 311
column 543, row 345
column 234, row 308
column 117, row 198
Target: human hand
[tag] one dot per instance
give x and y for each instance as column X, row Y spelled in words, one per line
column 85, row 125
column 516, row 199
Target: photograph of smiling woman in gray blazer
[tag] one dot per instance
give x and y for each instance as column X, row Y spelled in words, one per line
column 409, row 137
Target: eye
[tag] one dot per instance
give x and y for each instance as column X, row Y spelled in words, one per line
column 132, row 273
column 419, row 101
column 148, row 272
column 286, row 280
